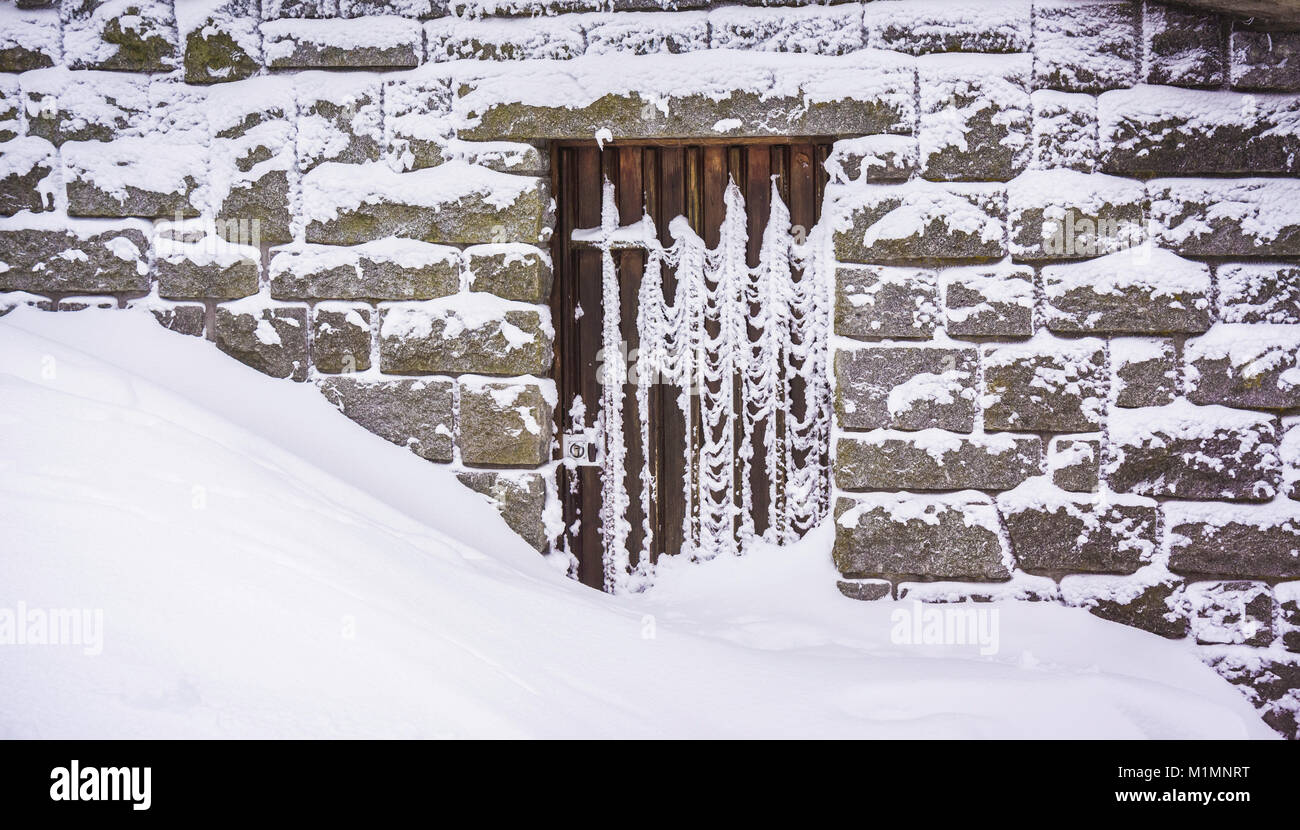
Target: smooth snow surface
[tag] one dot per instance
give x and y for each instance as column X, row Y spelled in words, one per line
column 267, row 568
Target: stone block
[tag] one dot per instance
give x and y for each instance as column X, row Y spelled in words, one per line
column 519, row 497
column 874, row 302
column 340, row 337
column 1192, row 452
column 934, row 459
column 934, row 537
column 1139, row 291
column 272, row 340
column 1254, row 365
column 1045, row 385
column 504, row 424
column 458, row 335
column 906, row 388
column 511, row 271
column 415, row 413
column 922, row 221
column 974, row 116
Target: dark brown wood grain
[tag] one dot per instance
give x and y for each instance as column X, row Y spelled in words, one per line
column 664, row 180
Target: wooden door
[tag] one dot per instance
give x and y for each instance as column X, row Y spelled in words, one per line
column 663, row 181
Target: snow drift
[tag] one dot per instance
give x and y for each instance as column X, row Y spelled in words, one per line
column 267, row 568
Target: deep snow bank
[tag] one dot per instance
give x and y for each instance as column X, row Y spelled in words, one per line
column 267, row 568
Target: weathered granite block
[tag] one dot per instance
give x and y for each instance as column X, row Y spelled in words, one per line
column 417, row 121
column 206, row 267
column 934, row 459
column 253, row 159
column 516, row 157
column 1269, row 684
column 62, row 105
column 1265, row 60
column 405, row 8
column 340, row 338
column 974, row 116
column 92, row 257
column 1287, row 595
column 390, row 269
column 805, row 95
column 866, row 590
column 418, row 414
column 1053, row 532
column 988, row 301
column 519, row 497
column 453, row 203
column 1255, row 217
column 1074, row 462
column 83, row 303
column 922, row 221
column 457, row 336
column 11, row 97
column 1064, row 133
column 885, row 302
column 1065, row 214
column 1152, row 599
column 544, row 38
column 906, row 388
column 182, row 318
column 1184, row 132
column 639, row 33
column 902, row 534
column 504, row 425
column 873, row 158
column 314, row 9
column 512, row 271
column 28, row 177
column 221, row 44
column 122, row 35
column 1183, row 47
column 1259, row 292
column 1189, row 452
column 383, row 43
column 1045, row 385
column 1253, row 365
column 1231, row 613
column 134, row 176
column 1140, row 291
column 1145, row 372
column 1085, row 47
column 825, row 30
column 340, row 118
column 924, row 26
column 29, row 39
column 272, row 340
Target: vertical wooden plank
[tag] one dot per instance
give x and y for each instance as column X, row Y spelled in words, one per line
column 631, row 263
column 804, row 191
column 560, row 301
column 780, row 156
column 736, row 164
column 758, row 208
column 674, row 181
column 713, row 189
column 804, row 201
column 758, row 198
column 587, row 273
column 780, row 160
column 716, row 176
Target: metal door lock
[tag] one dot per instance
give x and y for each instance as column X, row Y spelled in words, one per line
column 582, row 448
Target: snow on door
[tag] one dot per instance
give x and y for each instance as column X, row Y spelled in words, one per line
column 692, row 307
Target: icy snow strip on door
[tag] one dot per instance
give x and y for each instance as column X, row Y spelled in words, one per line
column 745, row 350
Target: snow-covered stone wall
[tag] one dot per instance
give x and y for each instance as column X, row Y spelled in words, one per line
column 1067, row 310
